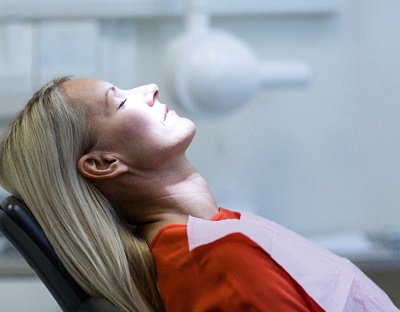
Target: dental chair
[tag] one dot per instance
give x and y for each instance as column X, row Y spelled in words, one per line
column 21, row 229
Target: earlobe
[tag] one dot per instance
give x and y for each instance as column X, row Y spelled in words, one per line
column 96, row 166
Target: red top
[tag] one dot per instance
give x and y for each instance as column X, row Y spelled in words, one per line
column 230, row 274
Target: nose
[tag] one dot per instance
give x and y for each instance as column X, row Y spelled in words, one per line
column 150, row 93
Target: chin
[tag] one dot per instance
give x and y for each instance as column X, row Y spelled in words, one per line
column 190, row 132
column 194, row 129
column 189, row 124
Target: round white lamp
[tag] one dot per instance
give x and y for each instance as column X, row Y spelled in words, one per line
column 210, row 72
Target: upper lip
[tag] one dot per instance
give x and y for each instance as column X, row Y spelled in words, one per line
column 165, row 111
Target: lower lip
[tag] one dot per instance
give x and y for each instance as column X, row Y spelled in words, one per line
column 169, row 112
column 170, row 115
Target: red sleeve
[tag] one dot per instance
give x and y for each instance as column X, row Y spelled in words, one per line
column 230, row 274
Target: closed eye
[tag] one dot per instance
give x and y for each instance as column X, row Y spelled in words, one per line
column 122, row 103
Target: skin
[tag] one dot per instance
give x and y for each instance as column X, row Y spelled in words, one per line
column 139, row 163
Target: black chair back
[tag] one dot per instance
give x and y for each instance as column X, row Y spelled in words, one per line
column 21, row 229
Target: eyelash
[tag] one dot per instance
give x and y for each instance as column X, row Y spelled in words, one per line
column 122, row 103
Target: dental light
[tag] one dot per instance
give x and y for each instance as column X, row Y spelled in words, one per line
column 210, row 72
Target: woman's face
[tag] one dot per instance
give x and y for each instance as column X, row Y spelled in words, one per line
column 132, row 123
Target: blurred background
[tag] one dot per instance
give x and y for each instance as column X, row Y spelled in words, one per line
column 321, row 158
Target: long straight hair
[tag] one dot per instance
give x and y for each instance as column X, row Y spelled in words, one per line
column 39, row 154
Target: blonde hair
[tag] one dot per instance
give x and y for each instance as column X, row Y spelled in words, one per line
column 39, row 154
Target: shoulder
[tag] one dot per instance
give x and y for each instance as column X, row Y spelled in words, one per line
column 229, row 256
column 239, row 273
column 170, row 246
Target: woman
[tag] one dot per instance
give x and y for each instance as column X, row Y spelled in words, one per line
column 40, row 152
column 111, row 179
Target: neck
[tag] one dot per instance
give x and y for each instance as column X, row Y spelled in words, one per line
column 153, row 200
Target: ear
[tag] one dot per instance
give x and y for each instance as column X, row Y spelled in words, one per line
column 101, row 166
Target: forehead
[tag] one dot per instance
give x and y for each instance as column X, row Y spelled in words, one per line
column 86, row 89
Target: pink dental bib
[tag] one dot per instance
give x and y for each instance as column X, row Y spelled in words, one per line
column 332, row 281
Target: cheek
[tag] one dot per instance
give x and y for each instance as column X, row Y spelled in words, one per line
column 141, row 135
column 132, row 125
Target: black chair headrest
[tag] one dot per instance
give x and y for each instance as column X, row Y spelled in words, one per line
column 21, row 229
